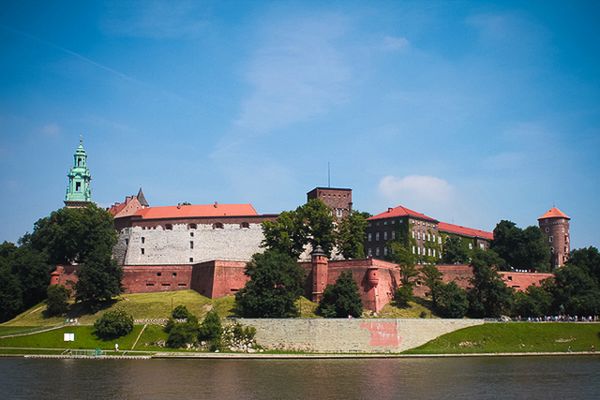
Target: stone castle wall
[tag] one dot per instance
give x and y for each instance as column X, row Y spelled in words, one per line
column 141, row 245
column 352, row 335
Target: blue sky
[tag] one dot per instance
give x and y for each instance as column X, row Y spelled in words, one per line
column 470, row 112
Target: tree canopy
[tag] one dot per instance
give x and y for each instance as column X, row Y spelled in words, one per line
column 341, row 299
column 456, row 251
column 276, row 282
column 521, row 248
column 489, row 296
column 350, row 235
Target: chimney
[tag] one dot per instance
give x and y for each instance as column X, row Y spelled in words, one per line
column 390, row 209
column 216, row 205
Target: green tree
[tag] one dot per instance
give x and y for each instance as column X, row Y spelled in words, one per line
column 180, row 312
column 451, row 301
column 113, row 324
column 318, row 220
column 183, row 333
column 455, row 251
column 57, row 302
column 432, row 278
column 211, row 330
column 287, row 234
column 276, row 281
column 587, row 259
column 11, row 295
column 575, row 291
column 33, row 271
column 99, row 280
column 489, row 296
column 521, row 249
column 71, row 235
column 341, row 299
column 536, row 301
column 350, row 235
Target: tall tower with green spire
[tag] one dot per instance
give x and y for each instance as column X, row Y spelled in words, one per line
column 79, row 193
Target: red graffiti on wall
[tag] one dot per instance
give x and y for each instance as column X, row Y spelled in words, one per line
column 382, row 333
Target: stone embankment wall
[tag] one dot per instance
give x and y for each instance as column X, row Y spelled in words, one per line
column 351, row 335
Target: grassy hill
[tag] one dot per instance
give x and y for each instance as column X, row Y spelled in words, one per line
column 516, row 337
column 139, row 305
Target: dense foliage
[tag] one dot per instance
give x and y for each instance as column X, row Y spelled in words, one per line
column 521, row 248
column 24, row 277
column 113, row 324
column 180, row 312
column 341, row 299
column 99, row 280
column 211, row 331
column 276, row 281
column 489, row 296
column 451, row 300
column 57, row 301
column 313, row 224
column 456, row 251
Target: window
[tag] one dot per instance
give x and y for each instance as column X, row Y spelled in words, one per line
column 376, row 251
column 369, row 252
column 552, row 249
column 470, row 246
column 143, row 251
column 413, row 234
column 434, row 252
column 377, row 236
column 429, row 252
column 191, row 259
column 158, row 273
column 550, row 239
column 413, row 249
column 191, row 244
column 428, row 237
column 77, row 186
column 126, row 242
column 482, row 246
column 191, row 234
column 339, row 212
column 217, row 225
column 149, row 284
column 385, row 222
column 174, row 273
column 169, row 227
column 439, row 239
column 369, row 236
column 393, row 221
column 244, row 225
column 181, row 285
column 192, row 226
column 143, row 240
column 384, row 235
column 393, row 235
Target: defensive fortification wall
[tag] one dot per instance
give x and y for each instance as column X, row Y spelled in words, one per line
column 182, row 245
column 352, row 335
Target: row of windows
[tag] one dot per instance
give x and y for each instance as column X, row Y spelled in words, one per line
column 429, row 237
column 216, row 225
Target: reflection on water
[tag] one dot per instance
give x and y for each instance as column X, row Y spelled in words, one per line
column 448, row 378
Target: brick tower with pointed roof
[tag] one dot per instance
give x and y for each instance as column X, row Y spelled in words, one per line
column 555, row 225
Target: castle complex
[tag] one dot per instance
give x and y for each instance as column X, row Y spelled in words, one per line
column 206, row 247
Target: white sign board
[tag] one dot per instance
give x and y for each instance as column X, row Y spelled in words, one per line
column 69, row 337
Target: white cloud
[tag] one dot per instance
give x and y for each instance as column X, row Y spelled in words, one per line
column 427, row 194
column 297, row 72
column 51, row 130
column 395, row 43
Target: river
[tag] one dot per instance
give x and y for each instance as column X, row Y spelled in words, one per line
column 408, row 378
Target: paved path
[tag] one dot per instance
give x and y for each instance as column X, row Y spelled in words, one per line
column 34, row 332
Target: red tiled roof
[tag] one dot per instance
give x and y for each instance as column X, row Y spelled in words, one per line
column 401, row 211
column 198, row 210
column 554, row 213
column 464, row 231
column 116, row 208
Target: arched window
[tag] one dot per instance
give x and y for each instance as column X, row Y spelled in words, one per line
column 217, row 225
column 244, row 225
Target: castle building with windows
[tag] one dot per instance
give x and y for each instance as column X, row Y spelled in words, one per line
column 206, row 247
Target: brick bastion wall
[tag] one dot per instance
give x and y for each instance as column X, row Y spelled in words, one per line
column 351, row 335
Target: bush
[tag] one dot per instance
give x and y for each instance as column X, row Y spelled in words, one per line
column 211, row 328
column 451, row 301
column 182, row 334
column 403, row 295
column 180, row 312
column 113, row 324
column 57, row 304
column 341, row 299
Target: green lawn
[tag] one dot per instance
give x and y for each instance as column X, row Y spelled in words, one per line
column 516, row 337
column 84, row 339
column 139, row 305
column 14, row 330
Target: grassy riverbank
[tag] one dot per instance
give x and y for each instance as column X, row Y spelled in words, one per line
column 515, row 337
